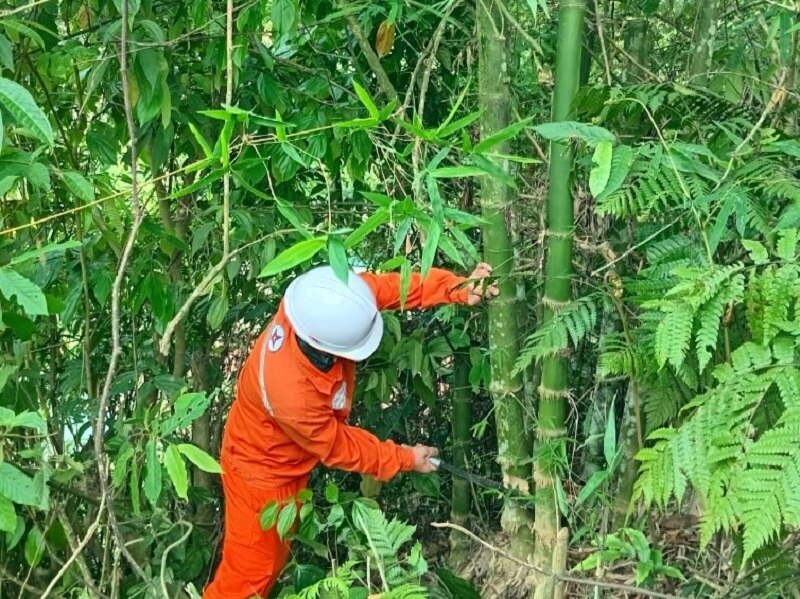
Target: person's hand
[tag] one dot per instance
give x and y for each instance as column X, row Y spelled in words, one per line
column 478, row 287
column 422, row 458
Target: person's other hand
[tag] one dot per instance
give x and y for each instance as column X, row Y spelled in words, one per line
column 422, row 458
column 478, row 287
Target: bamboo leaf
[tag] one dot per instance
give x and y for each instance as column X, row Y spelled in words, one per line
column 405, row 280
column 338, row 258
column 601, row 171
column 28, row 294
column 201, row 141
column 594, row 481
column 367, row 101
column 200, row 458
column 290, row 257
column 499, row 137
column 19, row 103
column 431, row 244
column 447, row 172
column 177, row 471
column 368, row 226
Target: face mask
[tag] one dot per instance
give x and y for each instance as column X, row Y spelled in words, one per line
column 319, row 359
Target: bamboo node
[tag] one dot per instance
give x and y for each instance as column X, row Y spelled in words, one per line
column 543, row 480
column 548, row 434
column 560, row 234
column 547, row 394
column 555, row 306
column 514, row 482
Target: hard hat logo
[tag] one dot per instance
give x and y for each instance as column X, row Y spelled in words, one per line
column 275, row 338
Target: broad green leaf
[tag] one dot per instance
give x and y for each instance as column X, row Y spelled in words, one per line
column 6, row 370
column 457, row 171
column 304, row 496
column 52, row 248
column 758, row 253
column 457, row 586
column 217, row 309
column 331, row 493
column 12, row 539
column 200, row 458
column 34, row 547
column 567, row 130
column 133, row 8
column 269, row 515
column 380, row 217
column 428, row 485
column 504, row 134
column 338, row 258
column 26, row 419
column 291, row 257
column 2, row 130
column 152, row 479
column 19, row 103
column 78, row 186
column 610, row 437
column 601, row 171
column 24, row 31
column 286, row 518
column 19, row 487
column 28, row 294
column 8, row 516
column 284, row 15
column 366, row 100
column 177, row 471
column 187, row 408
column 431, row 244
column 6, row 54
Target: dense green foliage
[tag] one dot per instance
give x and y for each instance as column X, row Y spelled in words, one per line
column 151, row 221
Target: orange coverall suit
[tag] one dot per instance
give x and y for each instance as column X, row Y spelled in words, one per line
column 288, row 417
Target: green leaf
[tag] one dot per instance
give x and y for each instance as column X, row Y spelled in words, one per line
column 338, row 258
column 451, row 128
column 78, row 186
column 6, row 370
column 34, row 547
column 567, row 130
column 428, row 485
column 758, row 253
column 8, row 516
column 200, row 458
column 218, row 309
column 291, row 257
column 600, row 173
column 431, row 244
column 52, row 248
column 269, row 515
column 19, row 103
column 368, row 226
column 26, row 419
column 457, row 586
column 214, row 175
column 457, row 171
column 504, row 134
column 152, row 479
column 188, row 408
column 366, row 100
column 177, row 471
column 286, row 518
column 331, row 493
column 591, row 486
column 610, row 437
column 284, row 16
column 6, row 57
column 201, row 141
column 28, row 294
column 405, row 281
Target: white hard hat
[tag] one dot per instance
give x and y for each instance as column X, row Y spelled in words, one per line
column 333, row 316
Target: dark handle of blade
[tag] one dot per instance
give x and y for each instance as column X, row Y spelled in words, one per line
column 455, row 470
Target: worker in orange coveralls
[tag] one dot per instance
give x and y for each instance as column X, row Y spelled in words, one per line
column 293, row 400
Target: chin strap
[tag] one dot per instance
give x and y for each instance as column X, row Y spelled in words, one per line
column 319, row 359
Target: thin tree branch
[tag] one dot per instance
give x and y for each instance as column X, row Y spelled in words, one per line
column 189, row 528
column 116, row 347
column 560, row 577
column 601, row 33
